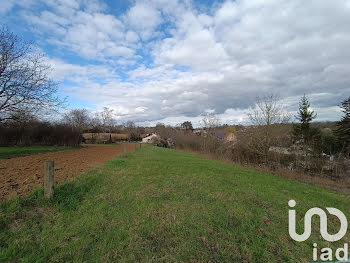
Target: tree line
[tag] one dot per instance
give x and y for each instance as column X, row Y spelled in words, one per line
column 272, row 140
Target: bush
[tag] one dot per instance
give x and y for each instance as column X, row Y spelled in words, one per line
column 38, row 133
column 244, row 151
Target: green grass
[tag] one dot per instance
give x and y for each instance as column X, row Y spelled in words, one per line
column 14, row 151
column 161, row 205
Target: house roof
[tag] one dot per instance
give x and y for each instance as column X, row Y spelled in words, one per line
column 221, row 136
column 228, row 134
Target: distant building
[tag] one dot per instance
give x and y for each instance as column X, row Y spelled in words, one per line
column 230, row 136
column 220, row 136
column 143, row 135
column 150, row 138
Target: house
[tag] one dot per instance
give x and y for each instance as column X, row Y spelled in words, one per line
column 143, row 135
column 230, row 136
column 220, row 136
column 150, row 138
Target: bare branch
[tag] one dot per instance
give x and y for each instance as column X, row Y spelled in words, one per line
column 268, row 110
column 24, row 81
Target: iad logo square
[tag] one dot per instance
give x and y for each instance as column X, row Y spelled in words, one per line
column 326, row 253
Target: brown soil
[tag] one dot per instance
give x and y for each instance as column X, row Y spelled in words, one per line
column 20, row 175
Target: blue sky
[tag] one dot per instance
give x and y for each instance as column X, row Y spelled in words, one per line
column 171, row 61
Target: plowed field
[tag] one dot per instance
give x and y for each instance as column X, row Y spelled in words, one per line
column 20, row 175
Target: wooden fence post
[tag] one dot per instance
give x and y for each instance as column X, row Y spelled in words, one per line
column 124, row 150
column 49, row 183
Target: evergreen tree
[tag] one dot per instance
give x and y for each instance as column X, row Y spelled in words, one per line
column 187, row 125
column 343, row 126
column 305, row 115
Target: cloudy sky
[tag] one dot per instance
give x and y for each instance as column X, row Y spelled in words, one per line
column 169, row 61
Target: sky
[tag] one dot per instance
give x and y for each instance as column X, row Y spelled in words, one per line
column 170, row 61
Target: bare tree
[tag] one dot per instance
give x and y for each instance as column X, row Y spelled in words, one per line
column 107, row 118
column 95, row 122
column 24, row 81
column 129, row 125
column 78, row 119
column 131, row 130
column 210, row 122
column 268, row 111
column 20, row 120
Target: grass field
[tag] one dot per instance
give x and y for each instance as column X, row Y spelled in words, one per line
column 161, row 205
column 9, row 152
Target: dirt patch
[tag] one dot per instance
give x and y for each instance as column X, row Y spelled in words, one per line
column 20, row 175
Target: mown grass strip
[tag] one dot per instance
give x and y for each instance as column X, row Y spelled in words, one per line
column 161, row 205
column 15, row 151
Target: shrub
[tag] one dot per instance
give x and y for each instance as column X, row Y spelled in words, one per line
column 38, row 133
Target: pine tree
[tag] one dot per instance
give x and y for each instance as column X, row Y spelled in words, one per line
column 187, row 125
column 343, row 126
column 302, row 130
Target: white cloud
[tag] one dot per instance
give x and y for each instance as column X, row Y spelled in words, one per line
column 81, row 27
column 186, row 61
column 97, row 36
column 144, row 19
column 6, row 6
column 80, row 74
column 192, row 45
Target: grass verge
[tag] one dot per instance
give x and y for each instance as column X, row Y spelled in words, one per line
column 14, row 151
column 161, row 205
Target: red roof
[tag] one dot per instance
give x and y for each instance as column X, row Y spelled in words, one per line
column 228, row 134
